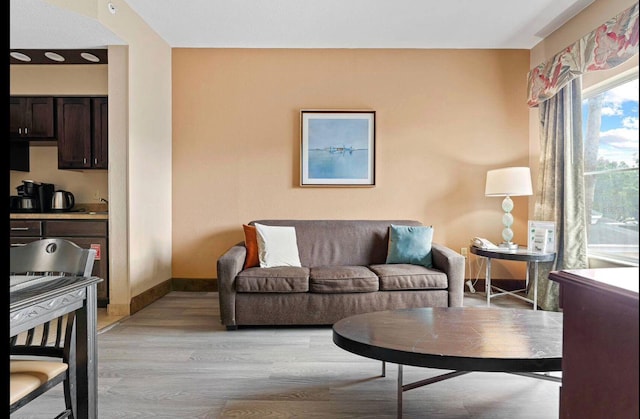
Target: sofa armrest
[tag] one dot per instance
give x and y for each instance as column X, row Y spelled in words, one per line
column 451, row 263
column 230, row 264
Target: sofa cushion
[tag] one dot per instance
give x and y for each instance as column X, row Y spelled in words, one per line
column 409, row 277
column 278, row 279
column 410, row 244
column 340, row 242
column 277, row 246
column 342, row 279
column 251, row 244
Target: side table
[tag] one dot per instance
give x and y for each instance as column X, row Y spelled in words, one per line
column 520, row 254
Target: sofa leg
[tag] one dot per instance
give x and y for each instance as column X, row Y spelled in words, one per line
column 232, row 327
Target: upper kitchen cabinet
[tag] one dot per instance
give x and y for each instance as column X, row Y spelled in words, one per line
column 100, row 139
column 82, row 132
column 31, row 118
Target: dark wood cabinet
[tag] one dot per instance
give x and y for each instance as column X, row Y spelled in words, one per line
column 600, row 343
column 82, row 132
column 25, row 228
column 100, row 139
column 59, row 228
column 100, row 265
column 74, row 132
column 19, row 155
column 88, row 234
column 31, row 118
column 79, row 124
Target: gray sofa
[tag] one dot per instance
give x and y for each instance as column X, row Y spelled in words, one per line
column 343, row 273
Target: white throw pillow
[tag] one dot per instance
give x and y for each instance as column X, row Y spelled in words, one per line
column 277, row 246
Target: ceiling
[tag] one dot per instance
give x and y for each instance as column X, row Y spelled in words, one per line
column 36, row 24
column 501, row 24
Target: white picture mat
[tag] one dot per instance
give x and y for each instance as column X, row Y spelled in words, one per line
column 366, row 115
column 550, row 226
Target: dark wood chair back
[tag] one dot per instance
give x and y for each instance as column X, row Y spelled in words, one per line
column 53, row 339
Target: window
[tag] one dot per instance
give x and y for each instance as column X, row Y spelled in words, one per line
column 610, row 129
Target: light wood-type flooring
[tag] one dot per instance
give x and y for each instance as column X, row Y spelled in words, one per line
column 173, row 359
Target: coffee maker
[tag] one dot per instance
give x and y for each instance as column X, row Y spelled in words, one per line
column 32, row 197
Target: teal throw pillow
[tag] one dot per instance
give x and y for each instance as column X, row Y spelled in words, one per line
column 411, row 245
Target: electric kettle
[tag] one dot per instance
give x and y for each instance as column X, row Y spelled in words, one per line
column 62, row 201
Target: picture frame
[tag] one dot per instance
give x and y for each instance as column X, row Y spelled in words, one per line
column 541, row 230
column 337, row 148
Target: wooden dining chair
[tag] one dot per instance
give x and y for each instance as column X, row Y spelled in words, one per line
column 44, row 356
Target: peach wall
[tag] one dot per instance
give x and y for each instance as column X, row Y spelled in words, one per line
column 443, row 118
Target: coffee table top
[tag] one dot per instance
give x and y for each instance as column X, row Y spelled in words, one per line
column 458, row 338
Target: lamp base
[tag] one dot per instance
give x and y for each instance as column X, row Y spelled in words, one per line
column 508, row 245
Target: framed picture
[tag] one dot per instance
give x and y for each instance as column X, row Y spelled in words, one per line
column 541, row 236
column 337, row 148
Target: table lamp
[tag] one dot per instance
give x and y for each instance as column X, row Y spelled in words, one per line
column 508, row 182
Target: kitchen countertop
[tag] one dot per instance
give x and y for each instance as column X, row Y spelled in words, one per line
column 60, row 216
column 81, row 211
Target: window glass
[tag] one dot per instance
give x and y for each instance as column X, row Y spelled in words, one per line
column 610, row 129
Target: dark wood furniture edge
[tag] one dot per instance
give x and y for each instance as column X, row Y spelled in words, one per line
column 448, row 362
column 439, row 360
column 575, row 279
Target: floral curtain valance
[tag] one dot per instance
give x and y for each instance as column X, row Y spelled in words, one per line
column 608, row 46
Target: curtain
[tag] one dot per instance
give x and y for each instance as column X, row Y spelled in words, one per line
column 560, row 195
column 555, row 87
column 607, row 46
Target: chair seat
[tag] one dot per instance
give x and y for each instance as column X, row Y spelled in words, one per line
column 44, row 370
column 21, row 384
column 27, row 376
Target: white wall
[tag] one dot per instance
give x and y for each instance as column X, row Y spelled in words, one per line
column 148, row 148
column 140, row 160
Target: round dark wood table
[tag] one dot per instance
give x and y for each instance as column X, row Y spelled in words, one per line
column 462, row 339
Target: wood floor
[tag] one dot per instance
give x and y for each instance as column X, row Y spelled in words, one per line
column 105, row 319
column 173, row 359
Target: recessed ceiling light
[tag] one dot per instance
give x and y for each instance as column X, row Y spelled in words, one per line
column 90, row 57
column 53, row 56
column 20, row 56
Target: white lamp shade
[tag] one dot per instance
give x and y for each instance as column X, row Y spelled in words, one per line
column 510, row 181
